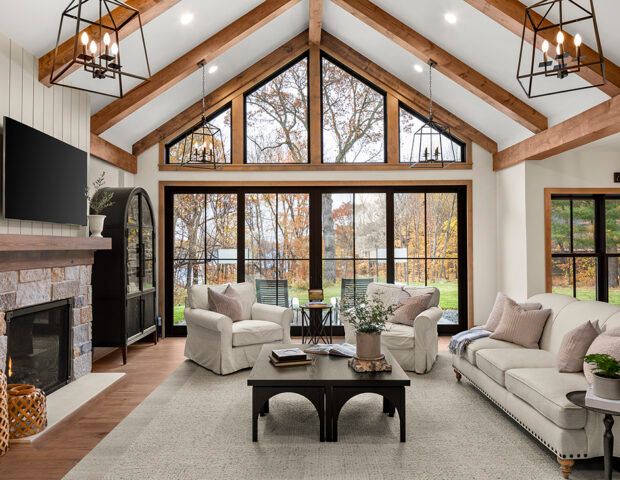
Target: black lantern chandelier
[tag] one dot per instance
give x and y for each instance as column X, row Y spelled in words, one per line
column 97, row 48
column 560, row 54
column 203, row 146
column 432, row 145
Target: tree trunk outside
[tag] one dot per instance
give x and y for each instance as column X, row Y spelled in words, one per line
column 329, row 239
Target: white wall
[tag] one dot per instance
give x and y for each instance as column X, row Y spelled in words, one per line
column 484, row 205
column 114, row 176
column 57, row 111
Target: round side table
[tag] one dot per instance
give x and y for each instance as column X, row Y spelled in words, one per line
column 579, row 399
column 315, row 323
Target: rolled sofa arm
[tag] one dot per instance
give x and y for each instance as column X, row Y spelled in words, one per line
column 425, row 338
column 273, row 313
column 210, row 320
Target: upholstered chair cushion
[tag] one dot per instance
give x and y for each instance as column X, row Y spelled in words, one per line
column 498, row 310
column 574, row 346
column 607, row 342
column 227, row 303
column 409, row 308
column 520, row 326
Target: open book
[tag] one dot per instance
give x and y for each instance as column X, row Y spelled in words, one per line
column 336, row 349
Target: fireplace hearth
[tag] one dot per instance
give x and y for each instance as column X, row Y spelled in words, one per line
column 38, row 350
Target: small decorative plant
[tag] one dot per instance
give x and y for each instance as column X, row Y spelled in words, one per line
column 606, row 365
column 100, row 202
column 370, row 317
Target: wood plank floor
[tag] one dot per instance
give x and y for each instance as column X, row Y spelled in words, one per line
column 61, row 449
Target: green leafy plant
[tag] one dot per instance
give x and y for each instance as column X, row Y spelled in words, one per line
column 371, row 316
column 606, row 365
column 99, row 201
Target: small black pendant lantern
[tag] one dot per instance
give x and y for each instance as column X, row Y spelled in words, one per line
column 550, row 54
column 96, row 47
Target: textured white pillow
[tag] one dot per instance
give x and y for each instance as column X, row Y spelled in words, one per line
column 606, row 342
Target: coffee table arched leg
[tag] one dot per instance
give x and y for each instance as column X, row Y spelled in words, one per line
column 393, row 401
column 260, row 404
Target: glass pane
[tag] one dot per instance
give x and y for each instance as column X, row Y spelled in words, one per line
column 613, row 266
column 221, row 228
column 411, row 151
column 612, row 214
column 560, row 225
column 260, row 269
column 260, row 225
column 277, row 118
column 221, row 272
column 353, row 118
column 185, row 274
column 409, row 272
column 222, row 121
column 147, row 218
column 189, row 226
column 296, row 273
column 133, row 210
column 370, row 225
column 337, row 226
column 443, row 274
column 583, row 225
column 586, row 278
column 562, row 276
column 333, row 273
column 147, row 242
column 409, row 225
column 294, row 225
column 133, row 263
column 441, row 225
column 374, row 270
column 147, row 281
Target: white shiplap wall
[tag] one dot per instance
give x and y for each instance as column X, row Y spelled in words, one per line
column 61, row 112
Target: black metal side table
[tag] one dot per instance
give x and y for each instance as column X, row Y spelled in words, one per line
column 579, row 399
column 314, row 323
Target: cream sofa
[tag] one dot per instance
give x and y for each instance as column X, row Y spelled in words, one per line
column 526, row 384
column 415, row 347
column 223, row 346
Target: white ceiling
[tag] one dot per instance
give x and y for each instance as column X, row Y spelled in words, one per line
column 475, row 39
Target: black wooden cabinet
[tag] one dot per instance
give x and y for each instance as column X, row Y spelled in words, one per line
column 124, row 290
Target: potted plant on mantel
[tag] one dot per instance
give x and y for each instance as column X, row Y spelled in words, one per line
column 606, row 382
column 98, row 202
column 369, row 320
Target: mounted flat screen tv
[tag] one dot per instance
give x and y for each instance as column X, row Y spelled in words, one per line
column 44, row 178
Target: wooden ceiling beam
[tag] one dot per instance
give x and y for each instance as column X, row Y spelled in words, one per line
column 112, row 154
column 401, row 90
column 220, row 96
column 447, row 64
column 316, row 21
column 185, row 65
column 511, row 14
column 593, row 124
column 149, row 9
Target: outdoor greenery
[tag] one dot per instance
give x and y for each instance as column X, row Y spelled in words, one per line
column 606, row 365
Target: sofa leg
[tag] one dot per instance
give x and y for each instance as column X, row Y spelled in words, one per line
column 458, row 375
column 566, row 466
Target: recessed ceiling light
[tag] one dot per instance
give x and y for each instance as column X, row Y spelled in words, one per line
column 418, row 68
column 450, row 18
column 187, row 18
column 213, row 69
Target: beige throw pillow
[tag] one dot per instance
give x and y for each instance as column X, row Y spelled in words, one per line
column 498, row 310
column 608, row 343
column 227, row 303
column 409, row 308
column 574, row 346
column 520, row 326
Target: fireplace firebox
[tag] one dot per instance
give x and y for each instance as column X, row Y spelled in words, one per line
column 38, row 350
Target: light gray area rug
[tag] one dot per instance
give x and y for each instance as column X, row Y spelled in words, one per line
column 196, row 426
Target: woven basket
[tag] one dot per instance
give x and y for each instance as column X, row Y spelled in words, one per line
column 4, row 416
column 27, row 411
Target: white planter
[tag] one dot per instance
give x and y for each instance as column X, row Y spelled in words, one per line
column 95, row 224
column 608, row 388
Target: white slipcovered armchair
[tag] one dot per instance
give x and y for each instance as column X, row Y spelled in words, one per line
column 415, row 347
column 223, row 346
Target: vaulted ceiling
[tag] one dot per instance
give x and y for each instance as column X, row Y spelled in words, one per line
column 476, row 39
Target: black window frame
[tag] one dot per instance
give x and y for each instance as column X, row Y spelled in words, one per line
column 315, row 238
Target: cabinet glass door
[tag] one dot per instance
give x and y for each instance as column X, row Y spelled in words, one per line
column 147, row 237
column 133, row 260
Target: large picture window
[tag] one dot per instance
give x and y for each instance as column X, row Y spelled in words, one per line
column 336, row 238
column 584, row 244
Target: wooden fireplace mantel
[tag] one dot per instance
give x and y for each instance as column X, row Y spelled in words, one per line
column 37, row 243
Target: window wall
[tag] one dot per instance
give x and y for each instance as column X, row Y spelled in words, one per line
column 336, row 238
column 585, row 241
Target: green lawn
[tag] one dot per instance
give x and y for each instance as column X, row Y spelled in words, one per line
column 588, row 293
column 449, row 297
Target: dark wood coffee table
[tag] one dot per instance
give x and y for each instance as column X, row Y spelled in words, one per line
column 329, row 383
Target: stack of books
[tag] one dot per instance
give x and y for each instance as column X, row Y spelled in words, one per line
column 289, row 357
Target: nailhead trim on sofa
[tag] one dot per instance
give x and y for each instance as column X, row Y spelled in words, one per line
column 481, row 390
